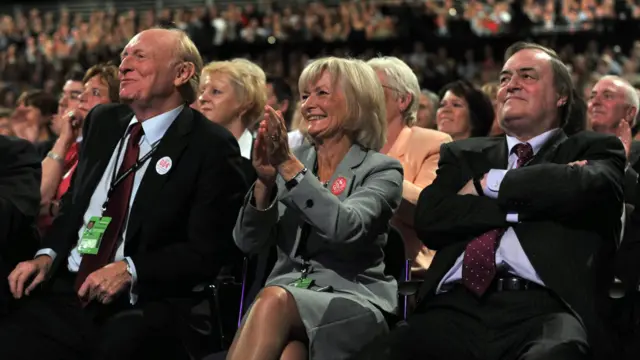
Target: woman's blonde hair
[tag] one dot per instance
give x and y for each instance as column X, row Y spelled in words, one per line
column 297, row 121
column 249, row 84
column 366, row 113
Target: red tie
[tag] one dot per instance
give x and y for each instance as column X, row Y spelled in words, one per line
column 479, row 262
column 70, row 163
column 116, row 209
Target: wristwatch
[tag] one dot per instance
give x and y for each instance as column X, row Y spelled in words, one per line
column 296, row 179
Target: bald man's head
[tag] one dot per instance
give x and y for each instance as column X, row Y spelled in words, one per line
column 612, row 100
column 159, row 65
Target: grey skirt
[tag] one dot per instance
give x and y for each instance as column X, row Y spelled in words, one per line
column 338, row 324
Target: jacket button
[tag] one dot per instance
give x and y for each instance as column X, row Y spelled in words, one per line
column 309, row 203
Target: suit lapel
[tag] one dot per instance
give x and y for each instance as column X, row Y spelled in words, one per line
column 340, row 185
column 497, row 154
column 102, row 156
column 493, row 155
column 342, row 180
column 172, row 144
column 548, row 150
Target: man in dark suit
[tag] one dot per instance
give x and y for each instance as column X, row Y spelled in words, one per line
column 19, row 206
column 148, row 217
column 524, row 227
column 613, row 109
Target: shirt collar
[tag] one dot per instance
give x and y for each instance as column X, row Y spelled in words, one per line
column 536, row 142
column 245, row 143
column 155, row 127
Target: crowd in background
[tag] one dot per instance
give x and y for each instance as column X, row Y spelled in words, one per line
column 38, row 49
column 56, row 66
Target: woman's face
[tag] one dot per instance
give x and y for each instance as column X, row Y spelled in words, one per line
column 453, row 116
column 95, row 92
column 218, row 100
column 323, row 106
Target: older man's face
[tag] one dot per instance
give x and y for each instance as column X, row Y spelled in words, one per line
column 607, row 105
column 148, row 69
column 527, row 99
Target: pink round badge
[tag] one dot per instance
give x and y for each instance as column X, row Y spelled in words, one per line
column 338, row 185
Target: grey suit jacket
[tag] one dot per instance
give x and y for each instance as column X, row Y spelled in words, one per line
column 348, row 230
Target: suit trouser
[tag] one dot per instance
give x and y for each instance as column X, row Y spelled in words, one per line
column 523, row 325
column 53, row 325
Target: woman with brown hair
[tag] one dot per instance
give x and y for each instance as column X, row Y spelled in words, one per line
column 32, row 117
column 465, row 111
column 101, row 86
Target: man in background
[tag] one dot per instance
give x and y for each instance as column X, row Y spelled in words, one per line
column 613, row 109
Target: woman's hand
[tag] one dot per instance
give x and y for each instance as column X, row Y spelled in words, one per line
column 70, row 126
column 277, row 140
column 260, row 158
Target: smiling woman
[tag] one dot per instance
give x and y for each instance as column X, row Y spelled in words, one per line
column 326, row 207
column 361, row 117
column 464, row 111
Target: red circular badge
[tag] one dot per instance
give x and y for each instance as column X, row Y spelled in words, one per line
column 338, row 185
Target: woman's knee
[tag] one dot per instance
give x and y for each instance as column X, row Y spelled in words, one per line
column 273, row 300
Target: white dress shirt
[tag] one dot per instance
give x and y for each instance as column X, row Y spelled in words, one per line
column 296, row 138
column 509, row 255
column 154, row 129
column 245, row 142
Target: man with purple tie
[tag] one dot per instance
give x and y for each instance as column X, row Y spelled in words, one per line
column 525, row 227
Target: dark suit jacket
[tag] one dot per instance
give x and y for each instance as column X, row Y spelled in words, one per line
column 628, row 257
column 569, row 216
column 19, row 206
column 179, row 232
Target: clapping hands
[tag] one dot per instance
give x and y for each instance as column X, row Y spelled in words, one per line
column 271, row 146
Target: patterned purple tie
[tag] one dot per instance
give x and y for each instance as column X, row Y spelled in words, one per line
column 479, row 262
column 524, row 153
